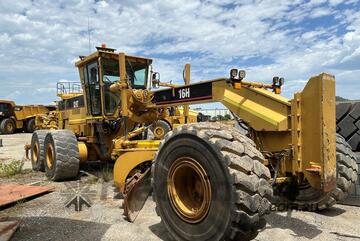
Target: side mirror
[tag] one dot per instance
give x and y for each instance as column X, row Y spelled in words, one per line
column 155, row 80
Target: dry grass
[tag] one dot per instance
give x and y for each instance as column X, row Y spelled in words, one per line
column 12, row 168
column 106, row 174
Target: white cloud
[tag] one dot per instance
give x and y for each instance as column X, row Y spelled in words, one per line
column 320, row 12
column 41, row 40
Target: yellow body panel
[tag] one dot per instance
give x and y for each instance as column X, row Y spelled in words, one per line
column 83, row 151
column 29, row 111
column 262, row 109
column 127, row 161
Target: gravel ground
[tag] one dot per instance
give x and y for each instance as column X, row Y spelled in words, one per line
column 46, row 217
column 13, row 147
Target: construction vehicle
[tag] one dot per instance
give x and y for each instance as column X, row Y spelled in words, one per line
column 13, row 117
column 174, row 118
column 209, row 181
column 71, row 94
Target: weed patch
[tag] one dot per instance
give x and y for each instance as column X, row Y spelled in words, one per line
column 12, row 168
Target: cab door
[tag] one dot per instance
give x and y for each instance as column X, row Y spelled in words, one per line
column 92, row 88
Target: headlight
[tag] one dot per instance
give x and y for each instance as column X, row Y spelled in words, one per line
column 281, row 81
column 276, row 80
column 233, row 73
column 242, row 74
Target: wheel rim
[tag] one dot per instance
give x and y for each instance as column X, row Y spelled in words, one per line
column 189, row 190
column 159, row 131
column 35, row 153
column 49, row 156
column 9, row 127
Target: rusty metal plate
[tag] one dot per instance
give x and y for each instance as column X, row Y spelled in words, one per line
column 12, row 192
column 7, row 229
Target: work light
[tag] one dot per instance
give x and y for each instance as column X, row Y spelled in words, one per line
column 242, row 74
column 275, row 80
column 233, row 73
column 281, row 81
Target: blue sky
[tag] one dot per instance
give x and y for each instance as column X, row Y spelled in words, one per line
column 41, row 40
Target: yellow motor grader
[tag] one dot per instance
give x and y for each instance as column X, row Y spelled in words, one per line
column 209, row 181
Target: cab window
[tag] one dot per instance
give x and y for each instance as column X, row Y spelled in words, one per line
column 92, row 88
column 5, row 109
column 135, row 72
column 110, row 76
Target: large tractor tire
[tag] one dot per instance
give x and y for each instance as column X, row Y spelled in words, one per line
column 160, row 128
column 308, row 198
column 30, row 126
column 7, row 126
column 348, row 122
column 61, row 155
column 37, row 150
column 209, row 183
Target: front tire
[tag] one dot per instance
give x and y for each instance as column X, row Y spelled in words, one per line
column 7, row 126
column 61, row 155
column 210, row 184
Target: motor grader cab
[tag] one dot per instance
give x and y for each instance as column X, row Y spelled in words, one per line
column 209, row 181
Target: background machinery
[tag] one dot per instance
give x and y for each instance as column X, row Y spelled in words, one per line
column 209, row 181
column 14, row 116
column 173, row 119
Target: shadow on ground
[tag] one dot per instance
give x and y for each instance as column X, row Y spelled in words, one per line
column 160, row 231
column 299, row 227
column 49, row 228
column 332, row 212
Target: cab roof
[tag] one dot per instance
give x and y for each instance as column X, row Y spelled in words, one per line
column 12, row 103
column 109, row 52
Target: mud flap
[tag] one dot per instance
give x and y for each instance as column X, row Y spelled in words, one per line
column 137, row 191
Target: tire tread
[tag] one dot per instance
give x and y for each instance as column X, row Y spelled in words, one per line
column 252, row 191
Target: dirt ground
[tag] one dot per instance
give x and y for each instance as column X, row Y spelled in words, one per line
column 46, row 217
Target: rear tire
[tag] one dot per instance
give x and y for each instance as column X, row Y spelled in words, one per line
column 61, row 155
column 7, row 126
column 239, row 184
column 348, row 122
column 308, row 198
column 160, row 128
column 30, row 126
column 37, row 150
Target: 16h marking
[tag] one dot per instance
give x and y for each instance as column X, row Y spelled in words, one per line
column 184, row 93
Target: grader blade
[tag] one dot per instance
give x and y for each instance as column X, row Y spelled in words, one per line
column 137, row 191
